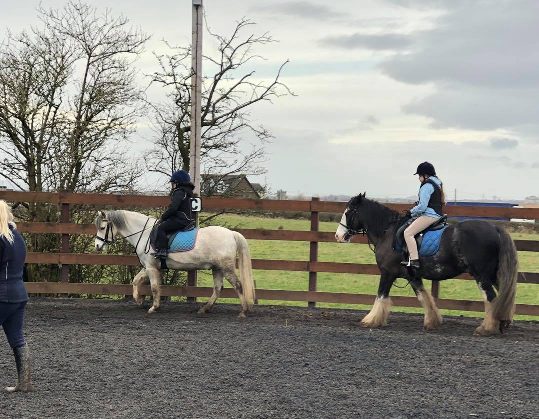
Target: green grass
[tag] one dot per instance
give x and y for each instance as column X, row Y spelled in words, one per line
column 351, row 253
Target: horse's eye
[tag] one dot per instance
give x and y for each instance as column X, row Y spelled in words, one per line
column 101, row 228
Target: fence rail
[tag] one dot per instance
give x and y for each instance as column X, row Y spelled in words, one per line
column 65, row 228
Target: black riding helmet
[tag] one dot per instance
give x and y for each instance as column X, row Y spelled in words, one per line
column 425, row 168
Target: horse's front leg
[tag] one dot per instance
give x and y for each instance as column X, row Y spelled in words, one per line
column 379, row 313
column 433, row 318
column 155, row 282
column 138, row 281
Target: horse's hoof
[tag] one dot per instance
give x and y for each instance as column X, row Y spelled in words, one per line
column 481, row 331
column 152, row 310
column 432, row 325
column 201, row 311
column 370, row 325
column 242, row 315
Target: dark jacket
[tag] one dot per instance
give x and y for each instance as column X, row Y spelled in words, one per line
column 12, row 257
column 180, row 204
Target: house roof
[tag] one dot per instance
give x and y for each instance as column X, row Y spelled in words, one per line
column 232, row 181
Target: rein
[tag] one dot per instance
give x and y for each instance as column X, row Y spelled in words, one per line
column 109, row 229
column 351, row 232
column 141, row 231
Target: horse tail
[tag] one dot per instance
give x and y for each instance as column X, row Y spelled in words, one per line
column 246, row 269
column 503, row 306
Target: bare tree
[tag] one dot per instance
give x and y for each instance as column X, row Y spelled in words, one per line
column 68, row 101
column 227, row 96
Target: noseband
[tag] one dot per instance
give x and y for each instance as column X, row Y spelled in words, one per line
column 106, row 239
column 350, row 231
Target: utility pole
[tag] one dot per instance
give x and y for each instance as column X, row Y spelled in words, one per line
column 196, row 90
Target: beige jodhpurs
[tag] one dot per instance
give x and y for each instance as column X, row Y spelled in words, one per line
column 416, row 227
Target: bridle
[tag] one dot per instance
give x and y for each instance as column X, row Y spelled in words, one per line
column 108, row 230
column 352, row 232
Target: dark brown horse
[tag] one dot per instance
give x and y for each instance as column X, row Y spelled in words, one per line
column 480, row 248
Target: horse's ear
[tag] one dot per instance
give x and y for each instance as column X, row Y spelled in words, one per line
column 364, row 194
column 102, row 214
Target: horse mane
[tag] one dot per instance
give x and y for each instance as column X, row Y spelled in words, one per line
column 376, row 217
column 117, row 218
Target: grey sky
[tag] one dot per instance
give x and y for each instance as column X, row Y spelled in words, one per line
column 382, row 85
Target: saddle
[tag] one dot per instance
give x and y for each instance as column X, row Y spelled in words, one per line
column 178, row 241
column 182, row 241
column 428, row 244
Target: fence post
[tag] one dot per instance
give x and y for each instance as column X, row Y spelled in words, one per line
column 65, row 217
column 192, row 275
column 313, row 250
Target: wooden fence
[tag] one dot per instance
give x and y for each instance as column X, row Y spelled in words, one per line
column 65, row 228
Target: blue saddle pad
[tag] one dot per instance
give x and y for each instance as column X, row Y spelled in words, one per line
column 431, row 242
column 182, row 241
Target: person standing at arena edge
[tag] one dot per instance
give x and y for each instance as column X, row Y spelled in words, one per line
column 13, row 295
column 426, row 212
column 178, row 215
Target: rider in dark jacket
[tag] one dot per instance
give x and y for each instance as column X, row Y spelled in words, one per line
column 178, row 215
column 13, row 296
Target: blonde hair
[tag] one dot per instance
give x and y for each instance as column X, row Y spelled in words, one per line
column 6, row 218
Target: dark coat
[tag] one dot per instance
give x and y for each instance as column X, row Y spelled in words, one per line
column 12, row 257
column 180, row 204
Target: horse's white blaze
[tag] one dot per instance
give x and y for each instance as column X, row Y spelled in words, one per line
column 341, row 230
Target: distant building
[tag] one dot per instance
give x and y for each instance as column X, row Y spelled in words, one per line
column 236, row 186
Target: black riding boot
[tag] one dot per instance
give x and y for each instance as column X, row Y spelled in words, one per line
column 160, row 254
column 412, row 263
column 22, row 362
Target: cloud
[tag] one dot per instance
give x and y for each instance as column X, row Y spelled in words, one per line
column 300, row 9
column 503, row 143
column 478, row 108
column 371, row 120
column 387, row 41
column 481, row 62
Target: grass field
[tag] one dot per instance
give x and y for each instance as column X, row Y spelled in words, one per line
column 352, row 253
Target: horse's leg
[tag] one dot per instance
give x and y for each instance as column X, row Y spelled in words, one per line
column 217, row 287
column 138, row 280
column 155, row 282
column 489, row 326
column 379, row 313
column 230, row 275
column 433, row 319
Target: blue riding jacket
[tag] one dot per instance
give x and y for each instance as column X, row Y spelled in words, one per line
column 12, row 257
